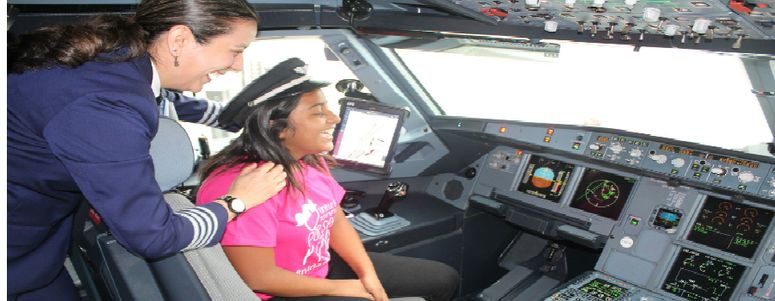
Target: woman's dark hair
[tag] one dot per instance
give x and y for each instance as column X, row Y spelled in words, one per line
column 260, row 141
column 123, row 37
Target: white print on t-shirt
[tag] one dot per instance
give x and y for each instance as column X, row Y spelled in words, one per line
column 318, row 220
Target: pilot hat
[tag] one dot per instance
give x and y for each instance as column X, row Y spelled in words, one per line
column 288, row 78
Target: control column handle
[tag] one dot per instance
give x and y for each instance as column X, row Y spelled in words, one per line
column 394, row 191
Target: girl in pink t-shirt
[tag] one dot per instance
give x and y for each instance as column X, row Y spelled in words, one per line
column 281, row 247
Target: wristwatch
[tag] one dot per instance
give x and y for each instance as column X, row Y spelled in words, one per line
column 235, row 205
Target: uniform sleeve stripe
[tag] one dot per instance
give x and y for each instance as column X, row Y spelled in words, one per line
column 196, row 241
column 195, row 225
column 211, row 114
column 205, row 225
column 217, row 108
column 209, row 231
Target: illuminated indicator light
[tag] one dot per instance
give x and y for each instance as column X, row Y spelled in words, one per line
column 550, row 131
column 637, row 142
column 705, row 169
column 634, row 221
column 576, row 146
column 460, row 124
column 674, row 171
column 502, row 130
column 741, row 187
column 717, row 181
column 519, row 153
column 697, row 175
column 547, row 139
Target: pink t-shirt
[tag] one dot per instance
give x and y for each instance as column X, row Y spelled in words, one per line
column 296, row 225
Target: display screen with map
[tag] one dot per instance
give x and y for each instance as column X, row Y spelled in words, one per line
column 366, row 137
column 602, row 193
column 545, row 178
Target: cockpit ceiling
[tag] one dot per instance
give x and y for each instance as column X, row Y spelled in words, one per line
column 684, row 19
column 728, row 25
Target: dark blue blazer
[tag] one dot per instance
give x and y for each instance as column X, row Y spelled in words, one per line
column 85, row 132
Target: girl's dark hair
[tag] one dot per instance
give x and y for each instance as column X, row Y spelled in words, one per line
column 123, row 37
column 260, row 141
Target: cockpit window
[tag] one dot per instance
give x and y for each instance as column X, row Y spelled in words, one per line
column 688, row 95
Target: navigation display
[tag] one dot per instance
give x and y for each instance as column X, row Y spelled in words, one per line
column 699, row 276
column 367, row 135
column 545, row 178
column 602, row 193
column 730, row 226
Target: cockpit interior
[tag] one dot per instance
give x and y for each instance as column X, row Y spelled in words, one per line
column 545, row 149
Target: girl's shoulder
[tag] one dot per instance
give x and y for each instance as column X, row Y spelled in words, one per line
column 217, row 183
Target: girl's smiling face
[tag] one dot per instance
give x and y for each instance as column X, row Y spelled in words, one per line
column 311, row 126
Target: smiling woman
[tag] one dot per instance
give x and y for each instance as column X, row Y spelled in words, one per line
column 281, row 248
column 81, row 116
column 178, row 54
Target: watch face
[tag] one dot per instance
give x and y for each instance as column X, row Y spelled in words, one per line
column 237, row 205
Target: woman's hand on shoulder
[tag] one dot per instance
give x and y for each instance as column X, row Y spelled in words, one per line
column 256, row 184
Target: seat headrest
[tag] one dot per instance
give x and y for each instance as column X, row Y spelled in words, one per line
column 172, row 153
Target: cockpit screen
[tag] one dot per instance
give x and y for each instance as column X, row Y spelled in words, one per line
column 602, row 193
column 545, row 178
column 699, row 276
column 603, row 290
column 730, row 226
column 367, row 136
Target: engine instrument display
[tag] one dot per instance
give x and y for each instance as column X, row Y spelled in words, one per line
column 545, row 178
column 602, row 193
column 603, row 290
column 730, row 226
column 699, row 276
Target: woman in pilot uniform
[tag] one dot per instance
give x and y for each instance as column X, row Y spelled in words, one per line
column 81, row 116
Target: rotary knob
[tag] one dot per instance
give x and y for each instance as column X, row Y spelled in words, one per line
column 718, row 171
column 660, row 159
column 616, row 148
column 745, row 177
column 678, row 162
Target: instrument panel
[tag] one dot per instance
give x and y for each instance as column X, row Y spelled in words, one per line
column 705, row 236
column 694, row 163
column 665, row 241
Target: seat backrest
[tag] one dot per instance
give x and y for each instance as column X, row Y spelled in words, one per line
column 172, row 153
column 174, row 161
column 211, row 265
